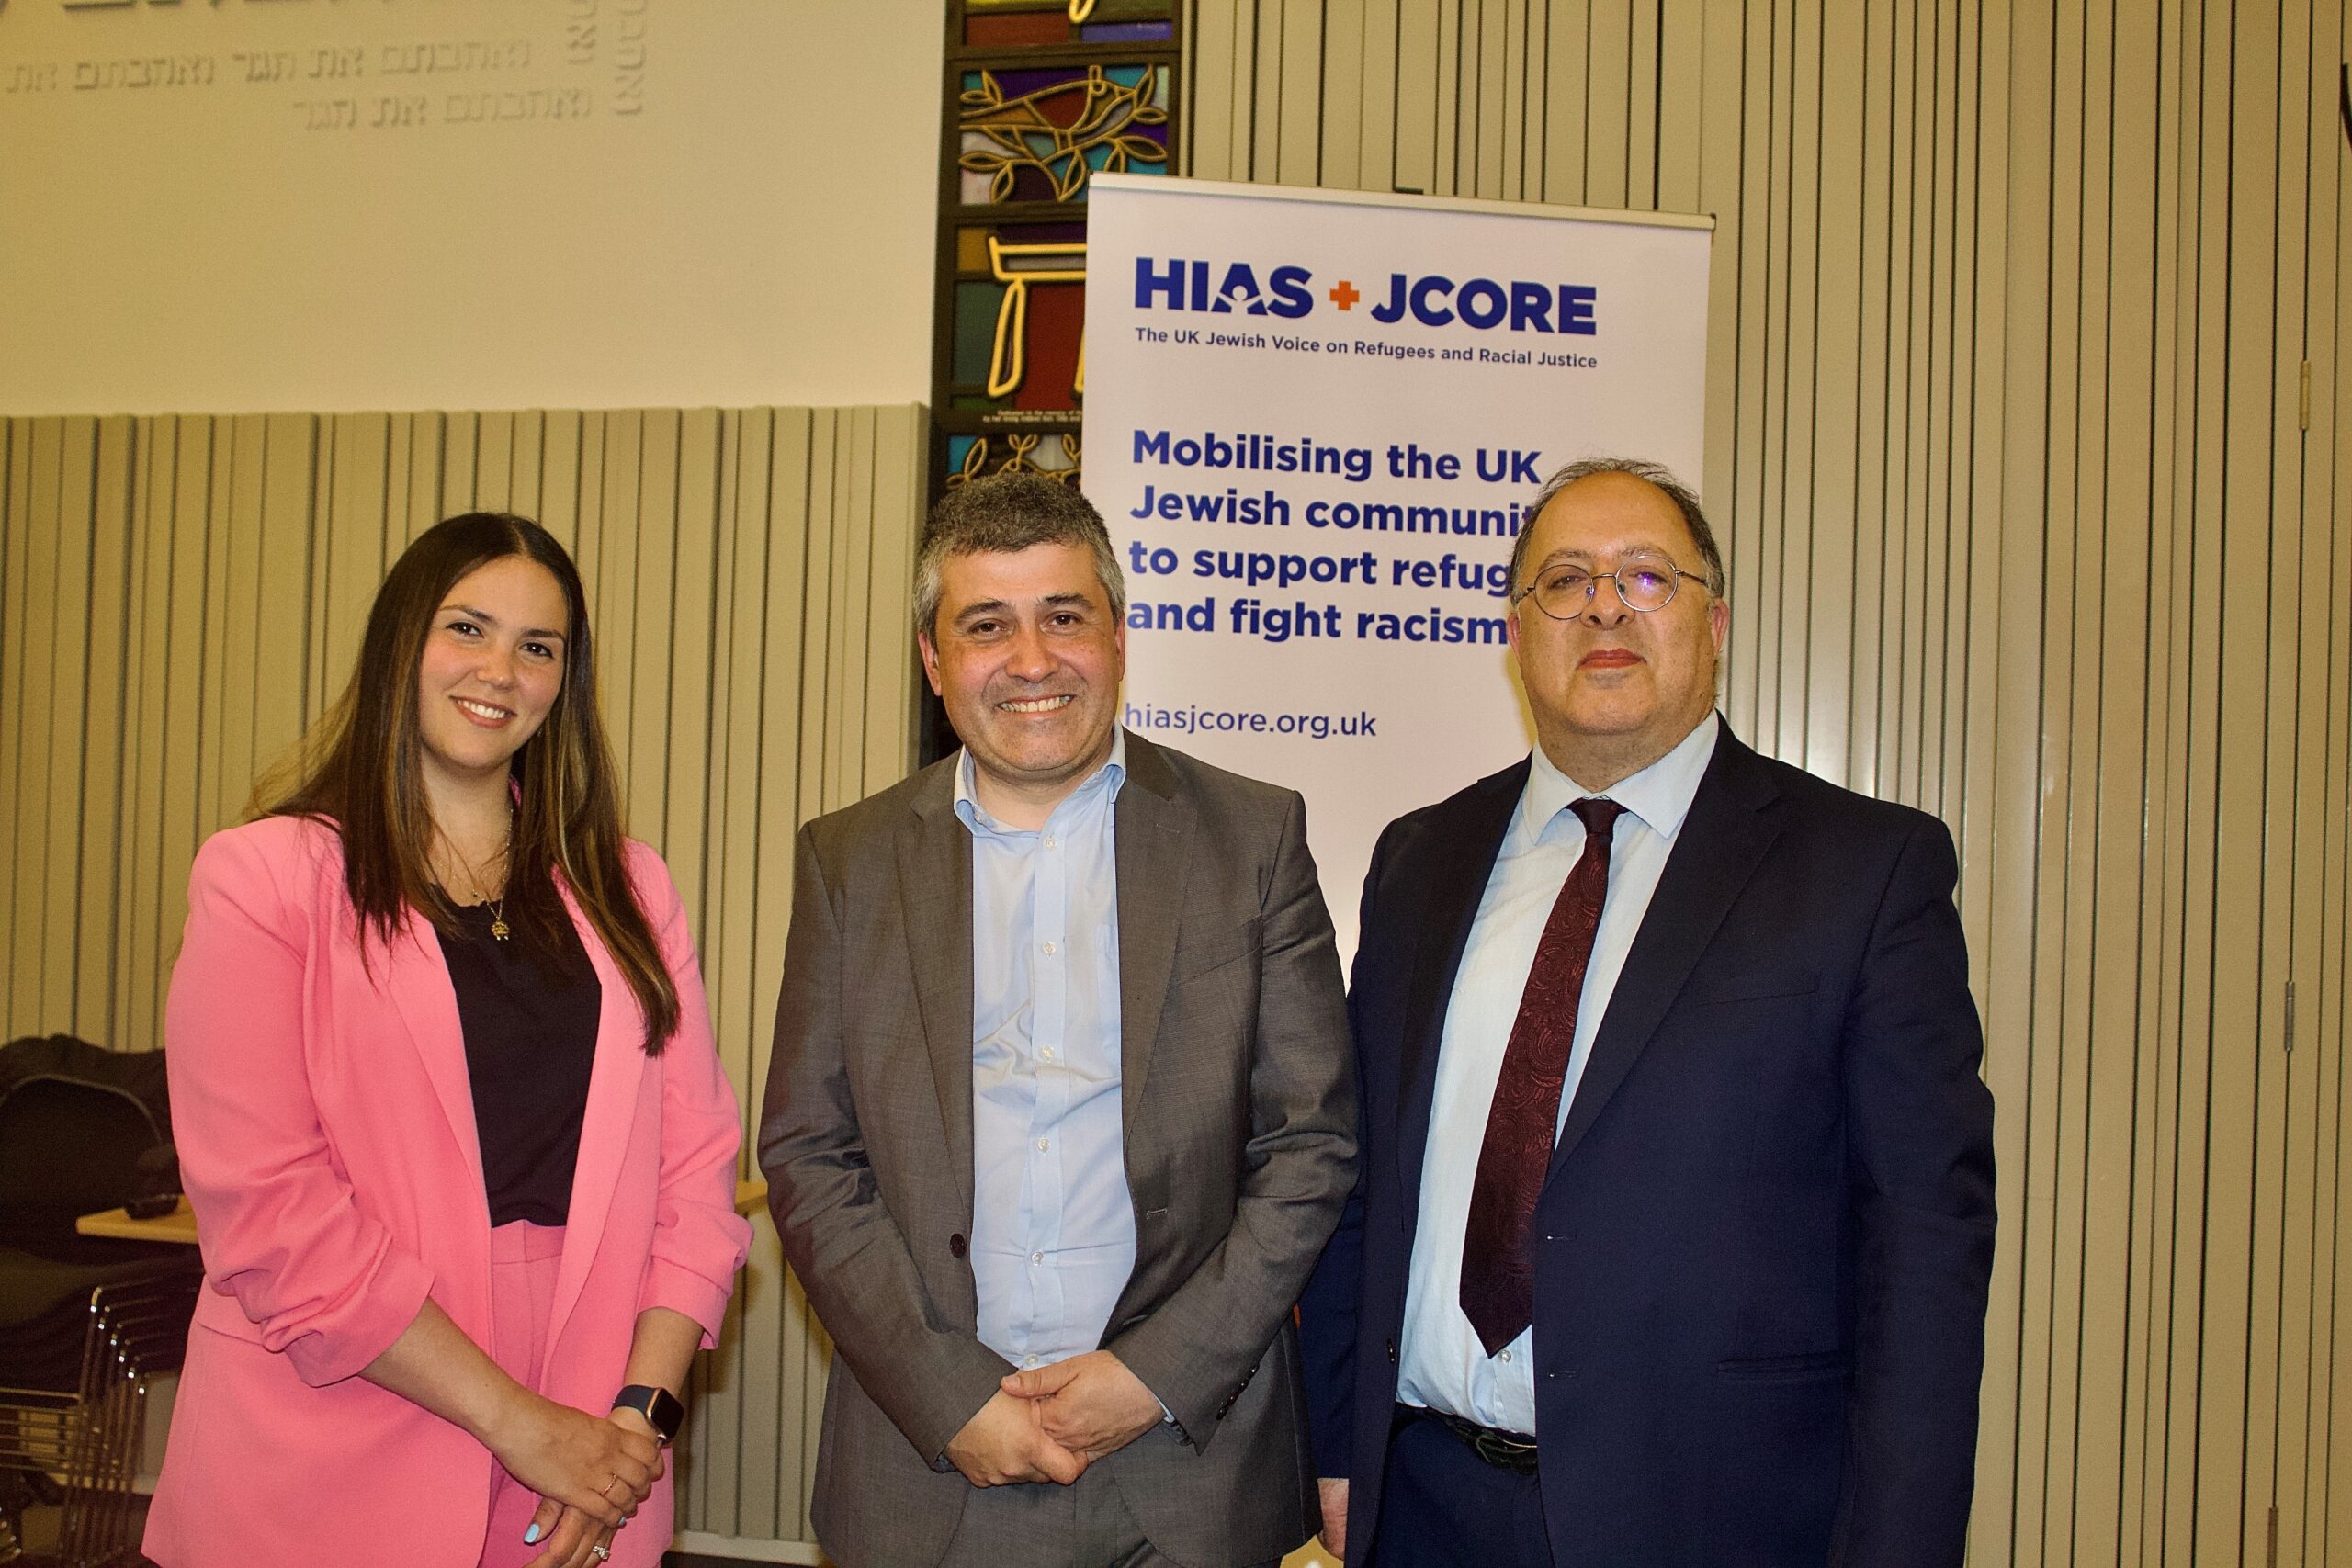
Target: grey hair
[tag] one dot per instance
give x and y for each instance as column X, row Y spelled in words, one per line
column 1005, row 514
column 1711, row 558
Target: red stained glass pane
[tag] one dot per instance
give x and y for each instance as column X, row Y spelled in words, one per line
column 1056, row 317
column 1019, row 30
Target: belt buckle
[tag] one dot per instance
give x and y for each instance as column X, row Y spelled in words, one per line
column 1501, row 1452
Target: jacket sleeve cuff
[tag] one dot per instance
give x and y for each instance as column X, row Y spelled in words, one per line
column 345, row 1339
column 682, row 1289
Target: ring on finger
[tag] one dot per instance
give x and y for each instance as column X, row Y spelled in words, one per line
column 601, row 1552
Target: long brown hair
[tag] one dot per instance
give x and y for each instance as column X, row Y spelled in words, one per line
column 360, row 770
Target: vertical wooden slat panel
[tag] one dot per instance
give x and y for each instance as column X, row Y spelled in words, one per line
column 1299, row 100
column 2325, row 1533
column 96, row 845
column 851, row 583
column 458, row 474
column 888, row 748
column 282, row 584
column 785, row 802
column 1378, row 84
column 653, row 529
column 60, row 741
column 557, row 504
column 202, row 447
column 614, row 588
column 1566, row 137
column 494, row 488
column 33, row 704
column 1871, row 66
column 136, row 981
column 1415, row 84
column 1829, row 403
column 743, row 1450
column 1608, row 102
column 689, row 665
column 15, row 538
column 2111, row 571
column 817, row 644
column 1339, row 140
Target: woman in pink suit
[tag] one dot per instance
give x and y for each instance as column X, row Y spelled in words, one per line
column 461, row 1154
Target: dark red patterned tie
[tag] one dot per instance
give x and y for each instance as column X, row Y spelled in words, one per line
column 1497, row 1273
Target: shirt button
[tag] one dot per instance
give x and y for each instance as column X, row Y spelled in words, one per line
column 1047, row 1052
column 1506, row 1356
column 1042, row 1144
column 1036, row 1257
column 1051, row 843
column 1028, row 1360
column 1049, row 948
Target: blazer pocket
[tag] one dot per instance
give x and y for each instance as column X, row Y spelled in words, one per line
column 1817, row 1366
column 1214, row 951
column 1709, row 991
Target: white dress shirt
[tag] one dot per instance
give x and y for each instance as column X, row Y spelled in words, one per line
column 1442, row 1366
column 1053, row 1225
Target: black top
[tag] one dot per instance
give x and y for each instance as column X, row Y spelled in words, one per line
column 530, row 1027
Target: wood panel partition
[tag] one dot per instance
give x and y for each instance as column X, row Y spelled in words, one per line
column 2025, row 428
column 180, row 596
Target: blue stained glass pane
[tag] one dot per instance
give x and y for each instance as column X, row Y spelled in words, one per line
column 1122, row 32
column 1126, row 75
column 958, row 448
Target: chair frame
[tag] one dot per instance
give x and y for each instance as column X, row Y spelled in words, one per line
column 90, row 1441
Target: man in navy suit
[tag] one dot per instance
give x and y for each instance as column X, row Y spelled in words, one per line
column 1674, row 1223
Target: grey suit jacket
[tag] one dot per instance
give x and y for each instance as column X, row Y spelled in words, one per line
column 1238, row 1116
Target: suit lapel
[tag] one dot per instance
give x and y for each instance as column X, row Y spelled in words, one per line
column 935, row 898
column 605, row 1124
column 1723, row 841
column 1153, row 824
column 1461, row 857
column 418, row 976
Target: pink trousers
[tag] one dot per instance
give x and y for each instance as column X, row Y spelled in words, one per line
column 523, row 1259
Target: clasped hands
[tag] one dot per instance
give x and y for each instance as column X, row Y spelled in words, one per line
column 1050, row 1423
column 591, row 1472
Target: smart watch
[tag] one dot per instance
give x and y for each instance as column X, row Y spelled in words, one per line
column 658, row 1405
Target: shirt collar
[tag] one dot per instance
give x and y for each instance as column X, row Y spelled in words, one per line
column 1105, row 780
column 1660, row 795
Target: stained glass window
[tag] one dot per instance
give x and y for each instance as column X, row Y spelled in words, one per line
column 1035, row 135
column 1041, row 95
column 1028, row 24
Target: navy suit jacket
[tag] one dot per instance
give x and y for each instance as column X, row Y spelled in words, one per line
column 1764, row 1243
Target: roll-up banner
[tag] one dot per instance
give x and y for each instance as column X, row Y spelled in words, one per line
column 1313, row 420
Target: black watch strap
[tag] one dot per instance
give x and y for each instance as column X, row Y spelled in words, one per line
column 658, row 1405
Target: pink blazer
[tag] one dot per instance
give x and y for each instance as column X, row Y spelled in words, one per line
column 326, row 1138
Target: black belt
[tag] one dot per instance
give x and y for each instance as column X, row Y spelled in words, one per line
column 1514, row 1451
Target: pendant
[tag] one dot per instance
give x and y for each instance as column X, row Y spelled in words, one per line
column 498, row 929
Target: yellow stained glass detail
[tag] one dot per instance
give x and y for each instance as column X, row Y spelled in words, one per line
column 1021, row 457
column 1018, row 266
column 1016, row 133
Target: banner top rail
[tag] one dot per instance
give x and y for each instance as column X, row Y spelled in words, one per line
column 1180, row 184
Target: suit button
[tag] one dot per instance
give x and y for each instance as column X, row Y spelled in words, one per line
column 955, row 1246
column 1392, row 1352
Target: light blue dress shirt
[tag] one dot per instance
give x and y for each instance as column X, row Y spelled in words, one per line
column 1053, row 1225
column 1441, row 1364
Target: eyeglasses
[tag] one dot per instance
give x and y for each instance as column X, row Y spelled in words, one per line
column 1642, row 583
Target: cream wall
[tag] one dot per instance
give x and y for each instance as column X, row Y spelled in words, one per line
column 689, row 202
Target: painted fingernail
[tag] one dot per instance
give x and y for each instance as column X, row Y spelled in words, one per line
column 532, row 1534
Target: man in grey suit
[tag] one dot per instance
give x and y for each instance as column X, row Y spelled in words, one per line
column 1060, row 1113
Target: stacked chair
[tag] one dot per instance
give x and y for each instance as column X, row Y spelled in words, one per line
column 84, row 1320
